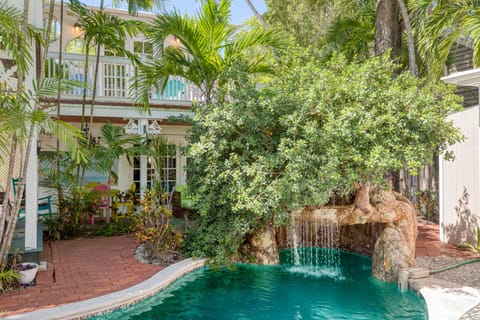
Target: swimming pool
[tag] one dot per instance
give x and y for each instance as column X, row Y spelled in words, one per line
column 335, row 285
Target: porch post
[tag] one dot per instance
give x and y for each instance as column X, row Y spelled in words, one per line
column 31, row 179
column 142, row 126
column 31, row 198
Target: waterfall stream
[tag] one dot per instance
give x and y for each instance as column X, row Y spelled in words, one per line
column 306, row 237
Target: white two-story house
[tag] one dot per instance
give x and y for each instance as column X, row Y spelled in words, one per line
column 112, row 105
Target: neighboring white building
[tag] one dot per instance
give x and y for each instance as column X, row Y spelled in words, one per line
column 459, row 180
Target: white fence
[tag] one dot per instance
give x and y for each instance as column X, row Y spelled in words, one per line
column 459, row 182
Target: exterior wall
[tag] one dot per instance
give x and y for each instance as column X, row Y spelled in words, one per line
column 459, row 182
column 175, row 134
column 70, row 32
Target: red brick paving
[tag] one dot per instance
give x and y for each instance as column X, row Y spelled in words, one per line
column 86, row 268
column 78, row 270
column 429, row 245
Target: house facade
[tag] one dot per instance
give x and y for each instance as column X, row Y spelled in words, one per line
column 112, row 104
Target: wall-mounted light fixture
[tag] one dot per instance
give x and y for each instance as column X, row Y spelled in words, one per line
column 77, row 27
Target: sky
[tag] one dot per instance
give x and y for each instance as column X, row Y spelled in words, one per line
column 240, row 10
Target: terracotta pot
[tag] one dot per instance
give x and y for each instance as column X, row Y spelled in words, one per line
column 28, row 271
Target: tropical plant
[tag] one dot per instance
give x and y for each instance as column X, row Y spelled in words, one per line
column 440, row 26
column 140, row 5
column 207, row 45
column 8, row 279
column 476, row 246
column 114, row 145
column 314, row 132
column 153, row 227
column 22, row 111
column 102, row 29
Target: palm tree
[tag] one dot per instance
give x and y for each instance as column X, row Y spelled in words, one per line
column 137, row 5
column 102, row 29
column 442, row 24
column 115, row 144
column 20, row 113
column 208, row 44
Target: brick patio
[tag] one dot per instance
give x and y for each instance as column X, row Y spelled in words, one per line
column 86, row 268
column 78, row 270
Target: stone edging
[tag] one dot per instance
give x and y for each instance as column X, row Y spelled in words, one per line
column 115, row 300
column 446, row 300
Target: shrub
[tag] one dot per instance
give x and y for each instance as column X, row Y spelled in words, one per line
column 153, row 227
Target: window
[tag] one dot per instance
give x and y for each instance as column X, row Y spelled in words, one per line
column 169, row 174
column 162, row 168
column 77, row 45
column 54, row 28
column 110, row 52
column 143, row 49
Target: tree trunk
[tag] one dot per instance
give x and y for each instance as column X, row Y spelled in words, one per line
column 362, row 199
column 12, row 212
column 412, row 63
column 60, row 78
column 95, row 81
column 388, row 34
column 257, row 15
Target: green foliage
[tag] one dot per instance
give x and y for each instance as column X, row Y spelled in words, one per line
column 117, row 226
column 152, row 226
column 476, row 246
column 208, row 44
column 310, row 134
column 441, row 25
column 8, row 279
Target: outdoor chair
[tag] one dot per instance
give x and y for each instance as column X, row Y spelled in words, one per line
column 103, row 202
column 44, row 203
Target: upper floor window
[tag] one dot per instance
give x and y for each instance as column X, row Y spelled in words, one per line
column 143, row 49
column 54, row 29
column 111, row 52
column 77, row 45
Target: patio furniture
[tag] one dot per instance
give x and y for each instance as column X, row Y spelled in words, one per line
column 103, row 201
column 44, row 203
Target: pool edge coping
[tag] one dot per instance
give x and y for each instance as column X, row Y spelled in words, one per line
column 112, row 301
column 444, row 299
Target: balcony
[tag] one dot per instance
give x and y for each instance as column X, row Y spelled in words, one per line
column 115, row 76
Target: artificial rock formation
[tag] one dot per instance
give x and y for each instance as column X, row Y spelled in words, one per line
column 261, row 246
column 389, row 226
column 387, row 231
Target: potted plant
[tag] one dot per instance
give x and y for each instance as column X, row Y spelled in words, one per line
column 27, row 270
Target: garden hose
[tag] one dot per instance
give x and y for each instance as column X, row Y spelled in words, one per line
column 454, row 266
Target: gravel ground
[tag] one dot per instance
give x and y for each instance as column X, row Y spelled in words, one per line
column 465, row 275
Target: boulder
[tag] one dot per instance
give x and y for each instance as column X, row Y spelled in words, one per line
column 262, row 247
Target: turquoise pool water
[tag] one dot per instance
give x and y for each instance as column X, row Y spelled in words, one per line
column 340, row 288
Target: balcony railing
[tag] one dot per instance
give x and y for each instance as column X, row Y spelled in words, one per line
column 115, row 76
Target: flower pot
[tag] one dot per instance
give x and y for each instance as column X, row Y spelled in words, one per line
column 27, row 270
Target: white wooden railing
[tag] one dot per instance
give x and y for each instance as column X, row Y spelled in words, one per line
column 115, row 76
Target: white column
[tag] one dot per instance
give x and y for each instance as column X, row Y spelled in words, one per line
column 142, row 125
column 31, row 198
column 441, row 198
column 31, row 179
